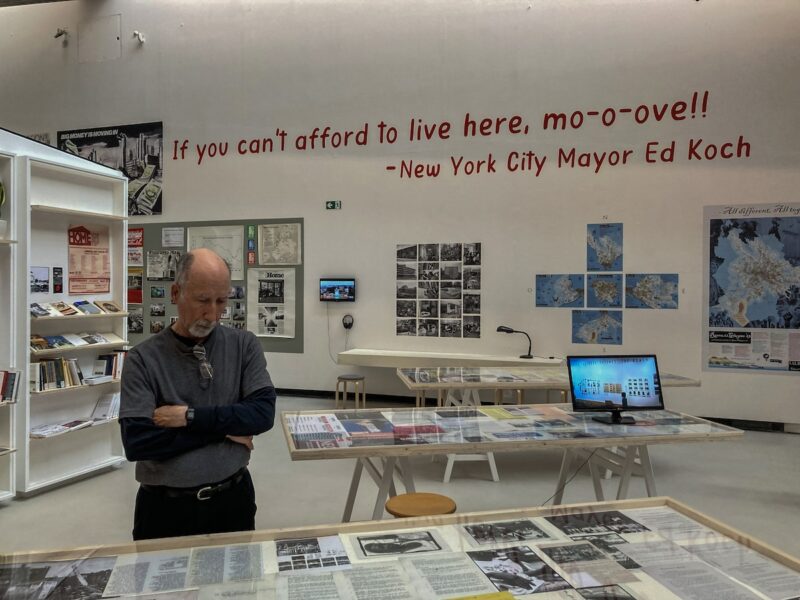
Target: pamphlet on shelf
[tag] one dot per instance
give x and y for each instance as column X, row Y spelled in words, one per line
column 58, row 341
column 108, row 306
column 93, row 338
column 38, row 343
column 87, row 308
column 66, row 310
column 43, row 310
column 107, row 407
column 97, row 379
column 74, row 339
column 45, row 431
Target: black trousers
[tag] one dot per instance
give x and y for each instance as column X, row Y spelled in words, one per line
column 158, row 515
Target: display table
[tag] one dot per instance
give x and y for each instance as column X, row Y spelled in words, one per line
column 653, row 548
column 438, row 379
column 382, row 440
column 366, row 357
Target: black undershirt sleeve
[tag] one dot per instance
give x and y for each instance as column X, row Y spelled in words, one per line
column 252, row 415
column 144, row 440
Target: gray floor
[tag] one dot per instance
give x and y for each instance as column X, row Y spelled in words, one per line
column 752, row 484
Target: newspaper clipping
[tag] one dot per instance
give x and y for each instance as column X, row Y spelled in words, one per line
column 271, row 302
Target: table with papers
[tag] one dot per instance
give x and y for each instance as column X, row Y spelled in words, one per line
column 632, row 549
column 382, row 440
column 440, row 380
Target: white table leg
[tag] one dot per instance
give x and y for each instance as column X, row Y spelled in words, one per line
column 627, row 471
column 406, row 474
column 566, row 462
column 596, row 480
column 387, row 481
column 351, row 494
column 647, row 468
column 448, row 470
column 492, row 466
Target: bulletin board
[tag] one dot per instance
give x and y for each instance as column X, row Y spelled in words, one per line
column 266, row 258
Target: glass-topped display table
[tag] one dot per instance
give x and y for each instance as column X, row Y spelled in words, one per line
column 645, row 549
column 382, row 439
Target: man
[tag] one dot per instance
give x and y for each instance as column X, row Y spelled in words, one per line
column 192, row 398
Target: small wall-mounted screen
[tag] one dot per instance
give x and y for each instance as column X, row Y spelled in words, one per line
column 342, row 289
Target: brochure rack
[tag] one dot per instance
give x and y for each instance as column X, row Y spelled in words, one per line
column 52, row 191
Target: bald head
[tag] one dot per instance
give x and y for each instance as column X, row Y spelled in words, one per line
column 202, row 259
column 200, row 292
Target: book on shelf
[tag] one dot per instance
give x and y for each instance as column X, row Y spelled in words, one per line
column 107, row 407
column 108, row 306
column 9, row 385
column 87, row 308
column 66, row 309
column 74, row 370
column 110, row 364
column 42, row 309
column 53, row 429
column 55, row 373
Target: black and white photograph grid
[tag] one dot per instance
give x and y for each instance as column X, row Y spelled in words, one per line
column 438, row 289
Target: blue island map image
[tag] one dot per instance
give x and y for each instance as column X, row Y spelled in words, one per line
column 597, row 327
column 604, row 247
column 754, row 267
column 604, row 291
column 559, row 291
column 651, row 290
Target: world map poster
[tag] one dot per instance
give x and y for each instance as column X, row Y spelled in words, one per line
column 752, row 287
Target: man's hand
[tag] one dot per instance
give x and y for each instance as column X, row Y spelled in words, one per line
column 170, row 416
column 244, row 440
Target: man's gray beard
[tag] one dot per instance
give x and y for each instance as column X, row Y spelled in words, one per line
column 201, row 329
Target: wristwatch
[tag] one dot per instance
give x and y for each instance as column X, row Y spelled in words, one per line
column 189, row 416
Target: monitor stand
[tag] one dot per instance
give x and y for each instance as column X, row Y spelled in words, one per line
column 615, row 418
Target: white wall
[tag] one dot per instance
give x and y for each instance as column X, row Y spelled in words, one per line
column 214, row 71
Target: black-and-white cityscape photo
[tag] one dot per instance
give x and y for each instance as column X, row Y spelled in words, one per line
column 136, row 150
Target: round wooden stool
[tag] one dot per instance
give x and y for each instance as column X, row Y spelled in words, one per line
column 420, row 504
column 359, row 390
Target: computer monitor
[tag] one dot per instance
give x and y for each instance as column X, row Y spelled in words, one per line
column 342, row 289
column 614, row 384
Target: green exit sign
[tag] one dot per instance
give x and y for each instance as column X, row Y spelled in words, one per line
column 333, row 204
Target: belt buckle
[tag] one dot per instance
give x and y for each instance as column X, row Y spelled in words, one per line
column 202, row 496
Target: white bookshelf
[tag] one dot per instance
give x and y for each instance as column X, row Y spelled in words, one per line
column 54, row 191
column 9, row 250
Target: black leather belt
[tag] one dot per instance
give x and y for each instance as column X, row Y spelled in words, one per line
column 201, row 492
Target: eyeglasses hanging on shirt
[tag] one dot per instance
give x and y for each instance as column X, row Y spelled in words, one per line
column 206, row 368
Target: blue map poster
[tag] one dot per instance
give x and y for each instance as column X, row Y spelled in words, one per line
column 604, row 291
column 752, row 291
column 597, row 327
column 604, row 247
column 651, row 290
column 559, row 291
